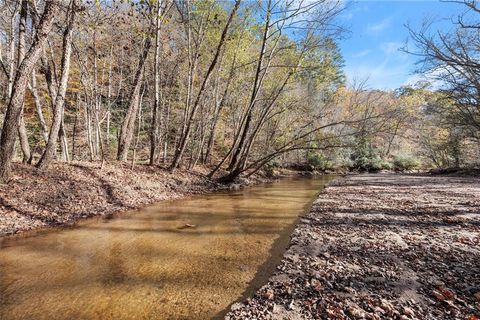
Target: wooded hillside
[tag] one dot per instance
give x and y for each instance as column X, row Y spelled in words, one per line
column 236, row 86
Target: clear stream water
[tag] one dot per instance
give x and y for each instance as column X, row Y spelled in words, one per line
column 144, row 265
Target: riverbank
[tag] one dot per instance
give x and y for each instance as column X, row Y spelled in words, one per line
column 382, row 246
column 66, row 193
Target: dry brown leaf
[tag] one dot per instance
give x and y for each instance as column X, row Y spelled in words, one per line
column 447, row 293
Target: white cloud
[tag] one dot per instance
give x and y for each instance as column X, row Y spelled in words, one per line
column 361, row 54
column 413, row 79
column 433, row 77
column 391, row 47
column 380, row 76
column 347, row 16
column 379, row 26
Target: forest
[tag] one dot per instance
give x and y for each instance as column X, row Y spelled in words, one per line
column 234, row 86
column 206, row 159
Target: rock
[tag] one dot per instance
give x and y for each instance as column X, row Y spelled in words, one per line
column 477, row 295
column 356, row 311
column 409, row 312
column 269, row 295
column 236, row 306
column 280, row 313
column 235, row 187
column 187, row 226
column 316, row 284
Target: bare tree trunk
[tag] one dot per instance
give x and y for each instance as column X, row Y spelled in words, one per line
column 62, row 135
column 201, row 144
column 88, row 127
column 241, row 132
column 244, row 128
column 22, row 133
column 185, row 137
column 59, row 103
column 165, row 138
column 49, row 78
column 22, row 29
column 74, row 133
column 246, row 149
column 128, row 125
column 96, row 96
column 219, row 104
column 11, row 55
column 155, row 134
column 32, row 87
column 139, row 128
column 14, row 108
column 109, row 96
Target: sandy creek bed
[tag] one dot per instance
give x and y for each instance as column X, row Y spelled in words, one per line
column 148, row 265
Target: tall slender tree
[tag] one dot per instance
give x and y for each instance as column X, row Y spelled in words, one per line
column 14, row 107
column 59, row 99
column 185, row 136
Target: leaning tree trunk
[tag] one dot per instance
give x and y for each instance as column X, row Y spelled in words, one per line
column 22, row 131
column 185, row 137
column 155, row 129
column 49, row 152
column 239, row 156
column 14, row 107
column 10, row 73
column 128, row 126
column 38, row 106
column 257, row 83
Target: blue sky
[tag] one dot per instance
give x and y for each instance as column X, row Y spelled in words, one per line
column 377, row 31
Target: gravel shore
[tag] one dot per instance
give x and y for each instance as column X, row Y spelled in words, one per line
column 384, row 246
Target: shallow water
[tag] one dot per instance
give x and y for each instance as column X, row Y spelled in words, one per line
column 144, row 265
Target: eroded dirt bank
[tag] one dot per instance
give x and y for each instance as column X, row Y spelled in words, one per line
column 66, row 193
column 380, row 247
